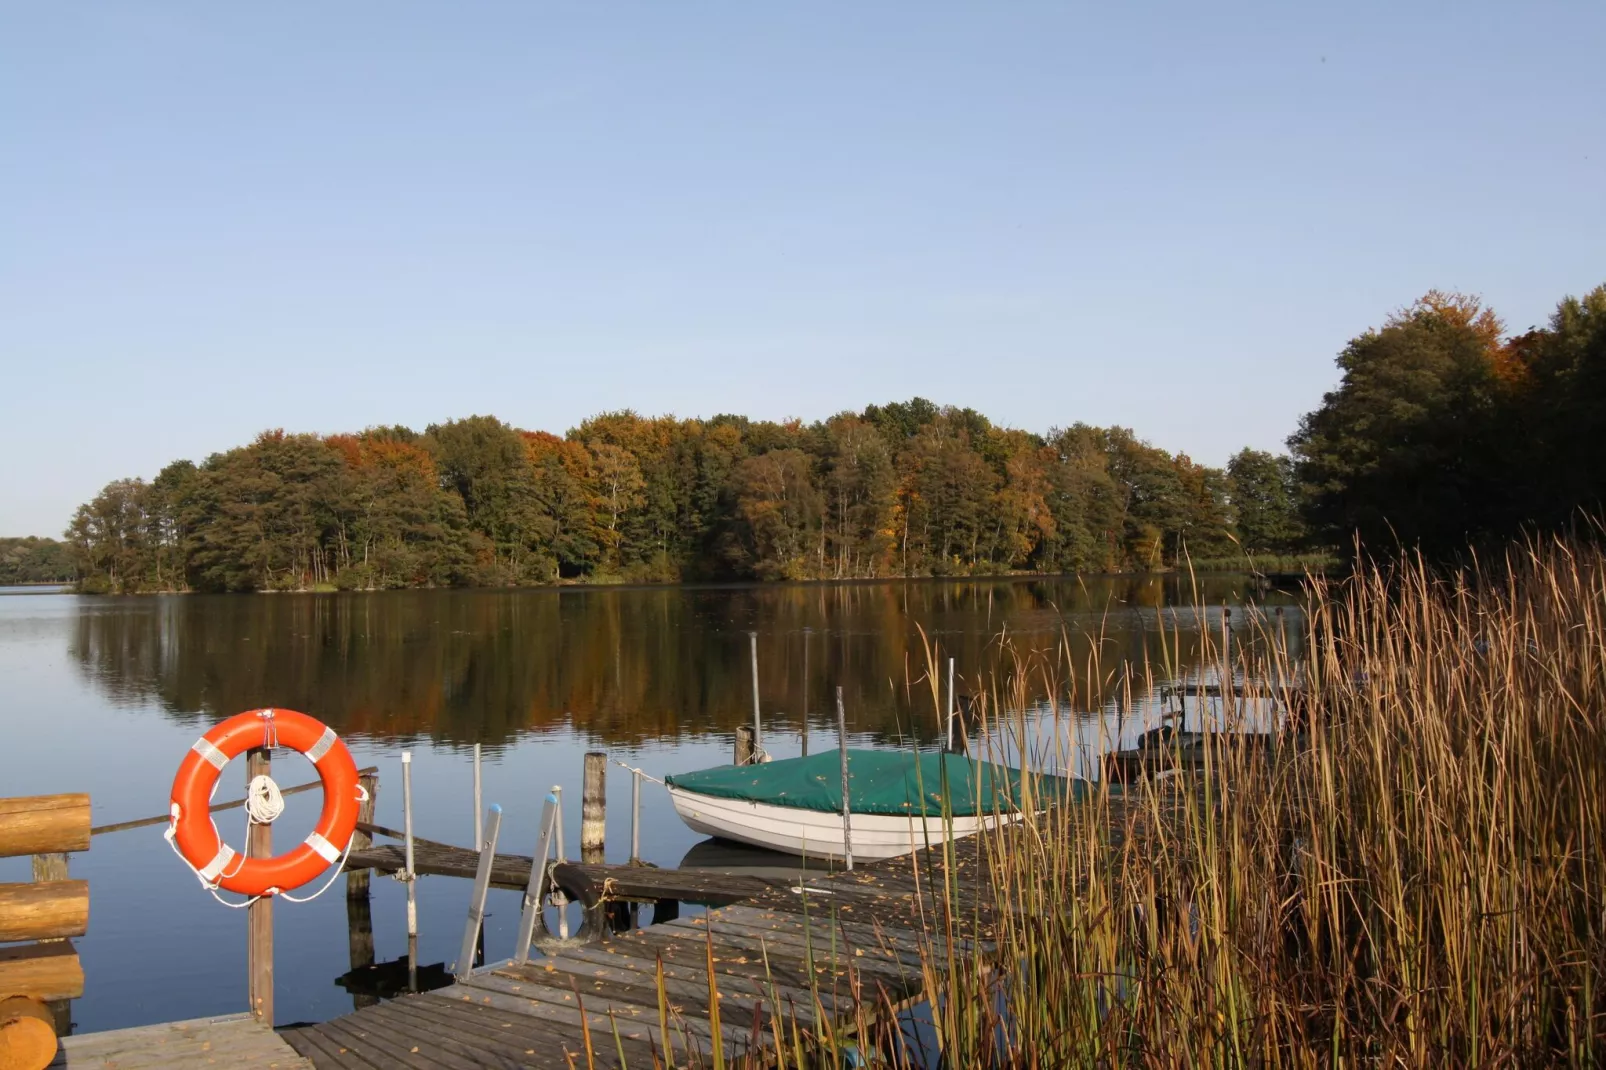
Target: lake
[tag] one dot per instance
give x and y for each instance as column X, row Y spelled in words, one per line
column 105, row 695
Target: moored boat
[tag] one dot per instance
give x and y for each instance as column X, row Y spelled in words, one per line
column 898, row 801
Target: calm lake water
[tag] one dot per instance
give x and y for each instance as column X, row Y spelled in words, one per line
column 104, row 696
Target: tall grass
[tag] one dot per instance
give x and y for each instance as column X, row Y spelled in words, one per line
column 1412, row 874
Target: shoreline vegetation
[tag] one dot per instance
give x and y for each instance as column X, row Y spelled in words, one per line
column 1444, row 433
column 1408, row 875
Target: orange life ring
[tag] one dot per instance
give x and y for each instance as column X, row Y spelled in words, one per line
column 196, row 837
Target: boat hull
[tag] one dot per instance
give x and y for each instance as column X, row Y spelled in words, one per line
column 815, row 833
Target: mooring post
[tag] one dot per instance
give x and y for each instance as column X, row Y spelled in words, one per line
column 482, row 886
column 410, row 876
column 847, row 812
column 808, row 635
column 758, row 731
column 744, row 744
column 357, row 879
column 479, row 829
column 259, row 915
column 594, row 808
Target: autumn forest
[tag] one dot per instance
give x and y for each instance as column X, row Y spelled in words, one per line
column 1444, row 430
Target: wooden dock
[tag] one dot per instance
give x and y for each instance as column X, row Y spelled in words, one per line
column 821, row 952
column 231, row 1040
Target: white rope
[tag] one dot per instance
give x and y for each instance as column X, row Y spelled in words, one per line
column 639, row 772
column 263, row 800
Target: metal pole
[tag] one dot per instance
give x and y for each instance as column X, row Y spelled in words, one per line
column 411, row 876
column 842, row 743
column 758, row 742
column 479, row 827
column 534, row 892
column 563, row 913
column 476, row 903
column 808, row 634
column 950, row 705
column 635, row 816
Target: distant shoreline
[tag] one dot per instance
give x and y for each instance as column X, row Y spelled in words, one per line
column 1273, row 579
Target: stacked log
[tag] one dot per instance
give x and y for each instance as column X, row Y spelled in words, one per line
column 38, row 965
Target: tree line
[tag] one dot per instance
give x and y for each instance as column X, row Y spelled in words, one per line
column 35, row 560
column 1443, row 430
column 905, row 489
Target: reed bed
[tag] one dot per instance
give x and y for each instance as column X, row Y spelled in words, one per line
column 1408, row 873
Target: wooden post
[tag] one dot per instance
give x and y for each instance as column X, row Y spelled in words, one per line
column 357, row 879
column 479, row 830
column 847, row 812
column 808, row 634
column 259, row 915
column 744, row 744
column 410, row 876
column 52, row 866
column 360, row 929
column 758, row 731
column 482, row 885
column 594, row 808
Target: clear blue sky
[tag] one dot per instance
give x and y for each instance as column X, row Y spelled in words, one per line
column 220, row 218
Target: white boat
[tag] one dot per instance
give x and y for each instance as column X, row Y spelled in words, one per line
column 815, row 833
column 898, row 802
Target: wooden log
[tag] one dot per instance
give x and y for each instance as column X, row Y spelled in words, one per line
column 357, row 879
column 44, row 824
column 744, row 745
column 45, row 911
column 594, row 807
column 259, row 915
column 43, row 971
column 27, row 1034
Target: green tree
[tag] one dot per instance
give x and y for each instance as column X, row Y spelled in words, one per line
column 1401, row 450
column 1265, row 498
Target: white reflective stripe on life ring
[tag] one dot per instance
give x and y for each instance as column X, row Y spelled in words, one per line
column 220, row 862
column 320, row 748
column 205, row 749
column 325, row 849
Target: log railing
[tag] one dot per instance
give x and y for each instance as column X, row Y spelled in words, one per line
column 39, row 969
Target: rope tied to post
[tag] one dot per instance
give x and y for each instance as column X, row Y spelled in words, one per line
column 632, row 769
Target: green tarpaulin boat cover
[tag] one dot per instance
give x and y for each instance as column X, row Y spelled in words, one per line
column 879, row 782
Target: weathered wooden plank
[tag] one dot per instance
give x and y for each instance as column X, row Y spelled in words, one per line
column 44, row 824
column 694, row 973
column 234, row 1040
column 43, row 910
column 528, row 1041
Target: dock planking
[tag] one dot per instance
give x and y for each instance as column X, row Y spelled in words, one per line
column 231, row 1040
column 838, row 947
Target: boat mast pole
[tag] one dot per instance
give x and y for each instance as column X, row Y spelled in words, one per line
column 752, row 639
column 847, row 811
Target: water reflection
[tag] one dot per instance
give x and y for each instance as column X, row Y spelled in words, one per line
column 621, row 666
